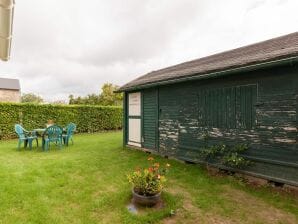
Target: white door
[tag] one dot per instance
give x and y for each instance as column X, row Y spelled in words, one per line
column 134, row 119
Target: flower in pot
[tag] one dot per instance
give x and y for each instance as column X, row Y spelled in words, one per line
column 148, row 183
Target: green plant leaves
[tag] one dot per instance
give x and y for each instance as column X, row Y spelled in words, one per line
column 226, row 155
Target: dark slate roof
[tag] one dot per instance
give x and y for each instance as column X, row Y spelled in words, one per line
column 270, row 50
column 12, row 84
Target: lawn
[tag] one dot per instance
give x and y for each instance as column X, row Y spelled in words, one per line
column 86, row 183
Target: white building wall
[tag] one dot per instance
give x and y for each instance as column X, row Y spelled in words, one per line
column 10, row 96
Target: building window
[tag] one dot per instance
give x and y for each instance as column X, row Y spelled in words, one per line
column 229, row 107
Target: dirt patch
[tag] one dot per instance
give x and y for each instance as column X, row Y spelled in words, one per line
column 187, row 210
column 105, row 217
column 191, row 214
column 251, row 209
column 111, row 189
column 291, row 190
column 245, row 209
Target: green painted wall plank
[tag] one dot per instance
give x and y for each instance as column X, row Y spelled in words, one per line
column 264, row 104
column 150, row 119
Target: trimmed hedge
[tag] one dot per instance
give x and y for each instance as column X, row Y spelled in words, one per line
column 87, row 118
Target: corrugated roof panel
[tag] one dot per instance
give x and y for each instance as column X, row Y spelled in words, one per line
column 274, row 49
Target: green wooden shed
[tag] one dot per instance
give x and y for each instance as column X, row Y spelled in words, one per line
column 247, row 95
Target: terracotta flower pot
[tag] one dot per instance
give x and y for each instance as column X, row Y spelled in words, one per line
column 145, row 200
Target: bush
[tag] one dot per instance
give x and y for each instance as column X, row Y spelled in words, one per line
column 88, row 119
column 226, row 155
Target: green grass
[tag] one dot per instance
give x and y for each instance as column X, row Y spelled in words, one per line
column 86, row 183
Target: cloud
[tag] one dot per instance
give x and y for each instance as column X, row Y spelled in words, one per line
column 73, row 47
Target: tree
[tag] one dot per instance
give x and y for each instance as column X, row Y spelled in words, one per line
column 31, row 98
column 59, row 102
column 107, row 97
column 91, row 99
column 71, row 99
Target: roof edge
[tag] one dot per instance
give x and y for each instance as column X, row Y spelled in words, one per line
column 267, row 64
column 13, row 84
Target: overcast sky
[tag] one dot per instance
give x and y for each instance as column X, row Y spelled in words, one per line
column 63, row 47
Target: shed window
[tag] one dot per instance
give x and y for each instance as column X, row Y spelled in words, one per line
column 134, row 104
column 229, row 107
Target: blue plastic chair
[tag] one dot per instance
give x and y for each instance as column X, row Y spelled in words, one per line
column 25, row 136
column 52, row 134
column 70, row 129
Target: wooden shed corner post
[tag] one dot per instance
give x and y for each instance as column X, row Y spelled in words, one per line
column 124, row 125
column 142, row 119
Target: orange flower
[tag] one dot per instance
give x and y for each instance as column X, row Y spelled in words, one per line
column 150, row 158
column 150, row 169
column 156, row 164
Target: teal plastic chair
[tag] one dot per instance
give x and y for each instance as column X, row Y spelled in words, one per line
column 25, row 136
column 70, row 129
column 52, row 134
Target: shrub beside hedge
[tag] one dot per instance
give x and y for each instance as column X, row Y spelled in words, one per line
column 87, row 118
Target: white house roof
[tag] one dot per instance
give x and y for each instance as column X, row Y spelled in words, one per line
column 13, row 84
